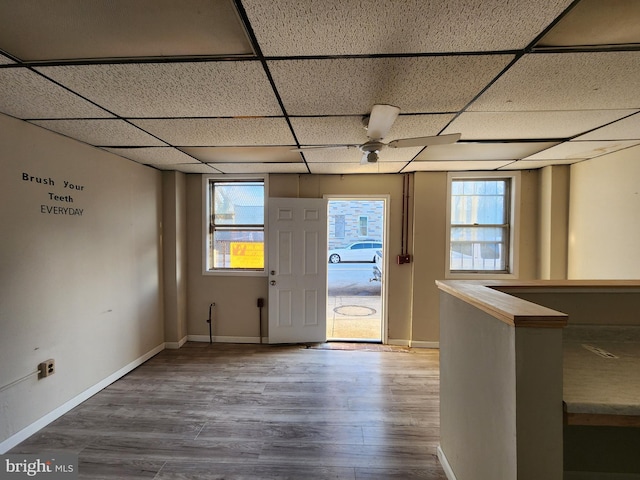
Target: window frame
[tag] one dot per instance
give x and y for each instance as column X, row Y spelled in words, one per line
column 514, row 228
column 206, row 210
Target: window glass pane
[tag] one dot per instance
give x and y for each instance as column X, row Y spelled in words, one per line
column 238, row 203
column 482, row 202
column 478, row 249
column 243, row 249
column 364, row 224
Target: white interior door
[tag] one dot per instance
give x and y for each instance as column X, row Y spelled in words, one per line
column 297, row 270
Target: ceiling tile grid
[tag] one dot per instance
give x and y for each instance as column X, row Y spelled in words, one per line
column 482, row 151
column 183, row 89
column 455, row 166
column 190, row 168
column 352, row 86
column 537, row 125
column 582, row 150
column 112, row 132
column 121, row 28
column 25, row 94
column 242, row 168
column 302, row 27
column 155, row 156
column 243, row 155
column 626, row 129
column 236, row 86
column 209, row 132
column 566, row 81
column 351, row 130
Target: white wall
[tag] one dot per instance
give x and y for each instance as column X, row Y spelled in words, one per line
column 174, row 248
column 82, row 289
column 604, row 217
column 553, row 222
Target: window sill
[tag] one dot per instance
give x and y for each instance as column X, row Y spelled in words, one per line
column 480, row 276
column 234, row 273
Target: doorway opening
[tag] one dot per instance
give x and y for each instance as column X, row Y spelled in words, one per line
column 356, row 243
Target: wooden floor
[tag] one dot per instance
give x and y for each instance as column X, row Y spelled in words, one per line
column 259, row 412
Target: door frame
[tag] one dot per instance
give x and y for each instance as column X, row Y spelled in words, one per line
column 384, row 292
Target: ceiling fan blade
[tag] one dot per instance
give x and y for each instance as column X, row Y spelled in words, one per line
column 321, row 147
column 425, row 141
column 381, row 120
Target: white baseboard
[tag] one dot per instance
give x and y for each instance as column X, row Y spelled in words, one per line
column 176, row 345
column 420, row 344
column 398, row 342
column 448, row 471
column 224, row 339
column 25, row 433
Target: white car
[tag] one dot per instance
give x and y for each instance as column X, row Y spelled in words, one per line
column 364, row 251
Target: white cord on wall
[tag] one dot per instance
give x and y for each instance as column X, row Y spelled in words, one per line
column 21, row 379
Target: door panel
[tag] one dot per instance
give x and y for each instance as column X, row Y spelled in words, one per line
column 297, row 270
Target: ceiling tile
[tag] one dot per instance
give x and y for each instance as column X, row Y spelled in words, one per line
column 535, row 164
column 353, row 155
column 355, row 168
column 101, row 132
column 5, row 60
column 350, row 130
column 189, row 168
column 483, row 151
column 153, row 155
column 192, row 89
column 353, row 86
column 625, row 129
column 591, row 22
column 566, row 81
column 25, row 94
column 220, row 131
column 582, row 150
column 260, row 155
column 302, row 27
column 513, row 125
column 35, row 30
column 261, row 167
column 455, row 166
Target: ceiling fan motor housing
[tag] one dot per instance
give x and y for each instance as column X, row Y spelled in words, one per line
column 371, row 150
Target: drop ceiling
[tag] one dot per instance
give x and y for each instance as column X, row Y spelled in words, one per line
column 232, row 87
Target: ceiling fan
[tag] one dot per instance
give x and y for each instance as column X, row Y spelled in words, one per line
column 378, row 123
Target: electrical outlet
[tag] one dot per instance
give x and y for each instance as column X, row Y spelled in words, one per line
column 46, row 368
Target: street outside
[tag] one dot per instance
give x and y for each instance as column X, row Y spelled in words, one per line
column 354, row 303
column 352, row 279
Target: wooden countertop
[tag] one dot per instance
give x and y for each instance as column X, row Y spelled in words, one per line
column 506, row 308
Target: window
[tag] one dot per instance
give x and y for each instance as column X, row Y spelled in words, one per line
column 363, row 226
column 480, row 229
column 235, row 217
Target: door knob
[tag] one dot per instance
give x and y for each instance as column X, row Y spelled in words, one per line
column 272, row 282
